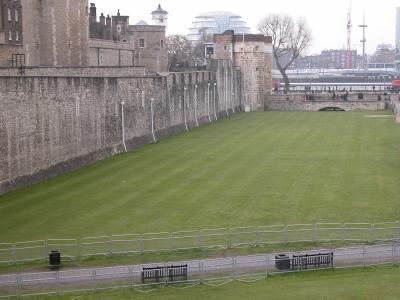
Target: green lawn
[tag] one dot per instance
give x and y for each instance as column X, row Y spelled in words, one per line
column 373, row 283
column 251, row 169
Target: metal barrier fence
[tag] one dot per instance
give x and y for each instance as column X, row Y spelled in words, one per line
column 209, row 271
column 206, row 239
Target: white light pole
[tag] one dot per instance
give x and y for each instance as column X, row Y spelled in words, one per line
column 123, row 125
column 208, row 101
column 184, row 108
column 226, row 91
column 152, row 120
column 233, row 104
column 195, row 105
column 215, row 105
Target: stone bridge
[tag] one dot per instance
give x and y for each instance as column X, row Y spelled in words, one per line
column 324, row 105
column 298, row 103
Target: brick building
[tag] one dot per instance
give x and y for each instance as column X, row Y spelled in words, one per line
column 327, row 59
column 384, row 54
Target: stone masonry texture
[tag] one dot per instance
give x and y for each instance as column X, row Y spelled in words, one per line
column 56, row 32
column 49, row 125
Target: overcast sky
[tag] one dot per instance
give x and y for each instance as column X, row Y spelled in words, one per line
column 327, row 19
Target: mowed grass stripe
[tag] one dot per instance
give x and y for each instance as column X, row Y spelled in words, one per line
column 250, row 169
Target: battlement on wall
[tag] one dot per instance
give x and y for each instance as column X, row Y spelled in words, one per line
column 74, row 72
column 49, row 125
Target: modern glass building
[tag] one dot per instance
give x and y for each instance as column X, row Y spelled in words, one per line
column 216, row 22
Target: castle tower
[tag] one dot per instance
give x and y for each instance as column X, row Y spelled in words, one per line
column 252, row 53
column 56, row 31
column 160, row 17
column 120, row 26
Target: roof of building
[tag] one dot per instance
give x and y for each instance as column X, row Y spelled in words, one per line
column 159, row 10
column 141, row 22
column 216, row 22
column 217, row 13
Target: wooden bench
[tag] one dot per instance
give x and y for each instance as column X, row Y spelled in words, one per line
column 167, row 273
column 314, row 260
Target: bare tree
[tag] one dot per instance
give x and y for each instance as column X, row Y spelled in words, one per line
column 179, row 52
column 183, row 54
column 290, row 38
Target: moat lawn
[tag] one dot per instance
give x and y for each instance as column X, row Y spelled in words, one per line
column 251, row 169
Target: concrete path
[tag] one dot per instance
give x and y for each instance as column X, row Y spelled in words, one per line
column 204, row 268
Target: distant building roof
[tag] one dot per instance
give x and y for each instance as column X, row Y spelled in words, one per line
column 141, row 22
column 216, row 22
column 159, row 10
column 217, row 13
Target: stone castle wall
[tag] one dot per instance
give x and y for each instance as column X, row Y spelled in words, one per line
column 6, row 52
column 49, row 125
column 75, row 71
column 110, row 53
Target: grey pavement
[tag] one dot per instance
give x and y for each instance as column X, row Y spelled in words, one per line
column 204, row 268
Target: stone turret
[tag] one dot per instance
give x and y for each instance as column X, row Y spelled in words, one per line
column 160, row 17
column 252, row 53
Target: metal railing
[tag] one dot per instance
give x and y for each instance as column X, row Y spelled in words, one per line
column 208, row 271
column 206, row 239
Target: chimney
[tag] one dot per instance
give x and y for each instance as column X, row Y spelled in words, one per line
column 93, row 12
column 92, row 21
column 102, row 19
column 108, row 21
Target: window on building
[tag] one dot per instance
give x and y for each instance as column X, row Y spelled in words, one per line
column 9, row 35
column 119, row 28
column 162, row 43
column 17, row 36
column 9, row 14
column 209, row 49
column 16, row 16
column 142, row 43
column 225, row 47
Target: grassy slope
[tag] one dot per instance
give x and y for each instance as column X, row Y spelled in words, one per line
column 252, row 169
column 380, row 283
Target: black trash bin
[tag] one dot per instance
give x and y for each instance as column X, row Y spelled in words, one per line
column 54, row 258
column 282, row 262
